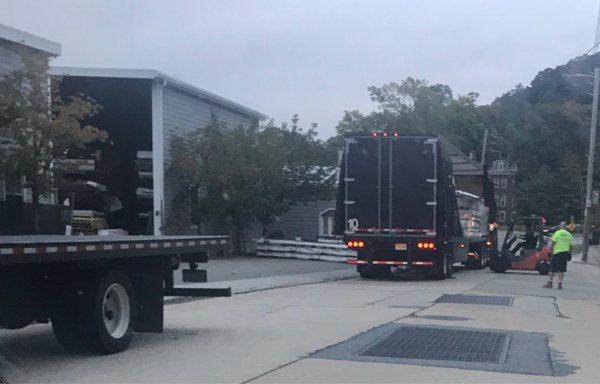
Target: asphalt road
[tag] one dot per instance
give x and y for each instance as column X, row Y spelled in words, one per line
column 272, row 335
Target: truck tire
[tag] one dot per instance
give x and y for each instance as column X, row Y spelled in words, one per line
column 499, row 264
column 449, row 267
column 367, row 275
column 374, row 271
column 103, row 318
column 113, row 313
column 442, row 268
column 480, row 263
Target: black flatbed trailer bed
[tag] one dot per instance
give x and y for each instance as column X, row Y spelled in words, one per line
column 52, row 248
column 97, row 290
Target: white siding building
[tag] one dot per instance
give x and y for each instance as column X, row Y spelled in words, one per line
column 143, row 110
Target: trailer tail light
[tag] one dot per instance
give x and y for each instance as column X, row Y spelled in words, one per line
column 375, row 134
column 355, row 244
column 425, row 245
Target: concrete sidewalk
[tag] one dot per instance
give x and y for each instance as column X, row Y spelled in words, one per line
column 569, row 319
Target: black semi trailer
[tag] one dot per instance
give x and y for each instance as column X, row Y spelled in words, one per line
column 412, row 203
column 97, row 290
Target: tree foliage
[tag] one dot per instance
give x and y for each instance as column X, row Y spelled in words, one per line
column 252, row 175
column 415, row 107
column 38, row 128
column 543, row 128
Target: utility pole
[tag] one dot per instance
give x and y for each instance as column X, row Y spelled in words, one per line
column 590, row 169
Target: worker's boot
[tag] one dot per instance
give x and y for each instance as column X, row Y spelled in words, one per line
column 548, row 285
column 559, row 286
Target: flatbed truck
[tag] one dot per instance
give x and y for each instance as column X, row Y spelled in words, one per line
column 96, row 291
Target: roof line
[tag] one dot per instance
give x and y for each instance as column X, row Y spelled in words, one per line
column 29, row 40
column 151, row 74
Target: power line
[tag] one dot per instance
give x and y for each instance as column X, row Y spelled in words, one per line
column 597, row 38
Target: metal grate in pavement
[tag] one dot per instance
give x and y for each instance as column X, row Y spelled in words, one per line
column 476, row 299
column 423, row 343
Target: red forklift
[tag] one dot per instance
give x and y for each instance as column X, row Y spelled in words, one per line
column 525, row 247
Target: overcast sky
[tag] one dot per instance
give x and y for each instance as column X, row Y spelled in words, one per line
column 316, row 57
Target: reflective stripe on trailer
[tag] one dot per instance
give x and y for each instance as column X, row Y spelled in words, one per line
column 386, row 262
column 427, row 263
column 355, row 261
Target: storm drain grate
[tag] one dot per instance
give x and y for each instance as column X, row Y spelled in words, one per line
column 475, row 299
column 444, row 344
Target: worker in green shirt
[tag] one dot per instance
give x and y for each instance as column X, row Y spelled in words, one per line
column 562, row 244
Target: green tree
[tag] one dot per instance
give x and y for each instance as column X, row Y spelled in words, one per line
column 40, row 127
column 415, row 107
column 251, row 175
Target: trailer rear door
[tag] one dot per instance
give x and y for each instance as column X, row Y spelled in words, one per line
column 391, row 185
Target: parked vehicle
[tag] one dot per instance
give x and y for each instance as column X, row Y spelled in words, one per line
column 413, row 203
column 96, row 290
column 525, row 247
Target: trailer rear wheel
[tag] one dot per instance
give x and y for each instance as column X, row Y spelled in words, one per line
column 113, row 312
column 373, row 271
column 99, row 319
column 449, row 266
column 442, row 268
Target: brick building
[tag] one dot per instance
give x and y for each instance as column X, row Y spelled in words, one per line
column 503, row 174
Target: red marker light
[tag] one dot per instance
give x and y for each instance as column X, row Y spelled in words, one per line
column 374, row 134
column 361, row 244
column 419, row 245
column 385, row 134
column 396, row 134
column 349, row 243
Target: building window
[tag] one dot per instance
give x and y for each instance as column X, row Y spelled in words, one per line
column 496, row 183
column 326, row 222
column 503, row 183
column 500, row 165
column 513, row 167
column 502, row 200
column 501, row 216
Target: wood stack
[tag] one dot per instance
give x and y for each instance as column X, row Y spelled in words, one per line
column 88, row 222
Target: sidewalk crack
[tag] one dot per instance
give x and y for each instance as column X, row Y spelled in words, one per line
column 557, row 308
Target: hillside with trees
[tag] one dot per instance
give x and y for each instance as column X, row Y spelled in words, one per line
column 543, row 128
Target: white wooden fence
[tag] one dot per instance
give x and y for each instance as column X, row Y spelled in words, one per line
column 305, row 250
